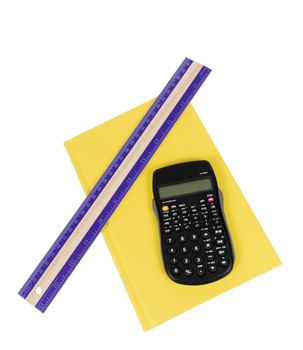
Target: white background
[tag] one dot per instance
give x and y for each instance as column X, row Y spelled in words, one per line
column 67, row 66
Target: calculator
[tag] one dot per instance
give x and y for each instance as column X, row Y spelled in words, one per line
column 195, row 240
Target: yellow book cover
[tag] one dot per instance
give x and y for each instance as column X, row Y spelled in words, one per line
column 135, row 248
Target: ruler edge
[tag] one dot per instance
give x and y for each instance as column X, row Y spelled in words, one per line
column 26, row 289
column 110, row 165
column 96, row 210
column 42, row 304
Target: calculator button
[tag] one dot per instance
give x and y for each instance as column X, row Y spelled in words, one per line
column 207, row 245
column 196, row 248
column 165, row 216
column 203, row 209
column 194, row 210
column 195, row 217
column 166, row 223
column 186, row 261
column 198, row 260
column 205, row 216
column 223, row 263
column 184, row 249
column 216, row 221
column 213, row 206
column 214, row 215
column 170, row 240
column 194, row 237
column 167, row 230
column 206, row 223
column 165, row 208
column 205, row 234
column 210, row 199
column 172, row 250
column 174, row 260
column 197, row 225
column 173, row 206
column 221, row 252
column 182, row 205
column 200, row 271
column 220, row 242
column 218, row 232
column 177, row 229
column 182, row 239
column 210, row 257
column 185, row 220
column 212, row 268
column 174, row 214
column 176, row 271
column 187, row 227
column 188, row 272
column 184, row 212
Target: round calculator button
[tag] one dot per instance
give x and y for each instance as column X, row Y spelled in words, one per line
column 187, row 227
column 182, row 239
column 184, row 249
column 221, row 252
column 188, row 272
column 212, row 268
column 207, row 245
column 223, row 263
column 174, row 260
column 205, row 234
column 165, row 208
column 186, row 261
column 210, row 257
column 175, row 271
column 196, row 248
column 220, row 242
column 200, row 271
column 170, row 240
column 172, row 250
column 218, row 232
column 210, row 199
column 216, row 221
column 194, row 237
column 198, row 260
column 206, row 223
column 196, row 225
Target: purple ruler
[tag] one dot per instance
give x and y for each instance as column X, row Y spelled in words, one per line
column 80, row 232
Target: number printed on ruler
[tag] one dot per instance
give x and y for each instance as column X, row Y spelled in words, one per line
column 80, row 232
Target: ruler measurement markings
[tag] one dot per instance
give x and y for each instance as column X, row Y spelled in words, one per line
column 94, row 211
column 63, row 237
column 128, row 163
column 97, row 226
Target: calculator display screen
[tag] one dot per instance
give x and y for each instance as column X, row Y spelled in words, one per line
column 185, row 188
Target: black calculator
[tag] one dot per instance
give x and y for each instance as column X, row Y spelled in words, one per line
column 195, row 240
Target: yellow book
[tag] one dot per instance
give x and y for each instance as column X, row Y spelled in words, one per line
column 132, row 232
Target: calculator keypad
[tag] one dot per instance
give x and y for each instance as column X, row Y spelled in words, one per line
column 196, row 241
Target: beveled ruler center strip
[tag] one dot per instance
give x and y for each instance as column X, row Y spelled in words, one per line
column 46, row 281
